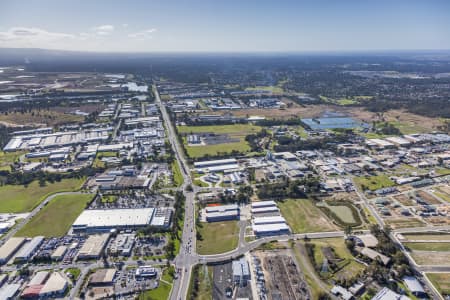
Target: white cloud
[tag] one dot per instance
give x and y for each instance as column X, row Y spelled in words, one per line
column 125, row 25
column 32, row 34
column 143, row 35
column 103, row 29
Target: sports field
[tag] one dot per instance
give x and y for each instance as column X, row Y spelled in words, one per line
column 18, row 199
column 218, row 237
column 55, row 219
column 303, row 216
column 236, row 131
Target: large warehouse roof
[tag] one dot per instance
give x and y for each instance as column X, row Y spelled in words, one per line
column 114, row 218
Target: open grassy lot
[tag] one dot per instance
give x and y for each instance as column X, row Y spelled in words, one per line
column 374, row 182
column 17, row 198
column 218, row 237
column 177, row 176
column 8, row 158
column 204, row 276
column 98, row 163
column 278, row 89
column 435, row 246
column 303, row 216
column 161, row 292
column 441, row 282
column 342, row 212
column 236, row 131
column 56, row 217
column 349, row 267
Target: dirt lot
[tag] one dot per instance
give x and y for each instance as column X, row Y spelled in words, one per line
column 403, row 199
column 427, row 197
column 431, row 257
column 413, row 120
column 285, row 280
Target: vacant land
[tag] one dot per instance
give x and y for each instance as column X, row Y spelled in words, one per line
column 236, row 131
column 441, row 281
column 218, row 237
column 374, row 182
column 433, row 258
column 161, row 292
column 39, row 117
column 55, row 219
column 434, row 246
column 204, row 276
column 271, row 88
column 177, row 176
column 405, row 222
column 348, row 267
column 303, row 216
column 18, row 198
column 343, row 212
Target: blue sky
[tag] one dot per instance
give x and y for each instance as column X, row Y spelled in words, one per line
column 225, row 26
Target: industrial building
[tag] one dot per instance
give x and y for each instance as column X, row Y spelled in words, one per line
column 9, row 248
column 162, row 217
column 94, row 246
column 122, row 244
column 59, row 253
column 101, row 220
column 271, row 229
column 241, row 271
column 219, row 213
column 102, row 277
column 269, row 220
column 9, row 291
column 27, row 251
column 414, row 286
column 146, row 271
column 216, row 165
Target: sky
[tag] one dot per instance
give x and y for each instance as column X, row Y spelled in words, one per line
column 225, row 25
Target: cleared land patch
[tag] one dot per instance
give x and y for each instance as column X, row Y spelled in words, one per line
column 47, row 117
column 427, row 237
column 18, row 198
column 55, row 219
column 8, row 158
column 434, row 246
column 434, row 258
column 218, row 237
column 374, row 182
column 303, row 216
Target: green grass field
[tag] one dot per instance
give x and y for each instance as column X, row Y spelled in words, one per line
column 218, row 237
column 274, row 89
column 161, row 292
column 55, row 219
column 441, row 282
column 427, row 237
column 435, row 246
column 17, row 198
column 342, row 212
column 303, row 216
column 205, row 283
column 374, row 182
column 177, row 176
column 236, row 131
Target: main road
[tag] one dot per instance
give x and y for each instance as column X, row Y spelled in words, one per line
column 186, row 258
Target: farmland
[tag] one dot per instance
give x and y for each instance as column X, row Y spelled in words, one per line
column 19, row 198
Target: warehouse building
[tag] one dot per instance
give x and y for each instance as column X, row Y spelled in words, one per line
column 269, row 220
column 162, row 217
column 414, row 286
column 241, row 271
column 9, row 291
column 216, row 165
column 59, row 253
column 102, row 220
column 8, row 249
column 219, row 213
column 146, row 271
column 55, row 286
column 94, row 246
column 27, row 251
column 102, row 277
column 271, row 229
